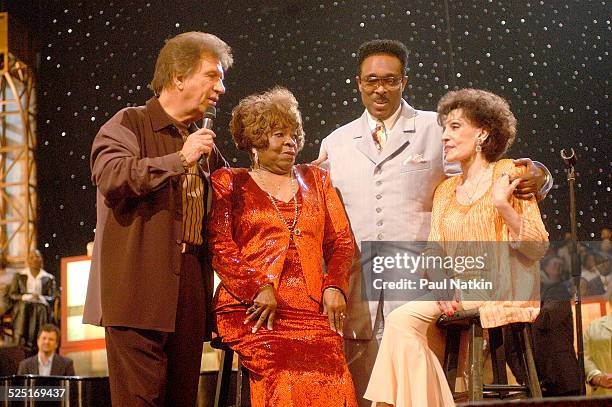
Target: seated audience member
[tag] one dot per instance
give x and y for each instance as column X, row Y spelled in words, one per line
column 551, row 271
column 598, row 355
column 601, row 284
column 553, row 335
column 47, row 362
column 589, row 263
column 32, row 293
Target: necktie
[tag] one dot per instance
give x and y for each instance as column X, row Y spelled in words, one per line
column 380, row 135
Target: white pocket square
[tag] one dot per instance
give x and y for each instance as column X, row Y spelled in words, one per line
column 415, row 158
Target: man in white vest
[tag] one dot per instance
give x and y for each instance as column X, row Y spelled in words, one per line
column 386, row 166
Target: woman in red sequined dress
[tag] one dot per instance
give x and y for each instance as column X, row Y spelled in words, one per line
column 269, row 231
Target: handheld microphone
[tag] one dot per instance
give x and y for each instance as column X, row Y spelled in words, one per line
column 207, row 123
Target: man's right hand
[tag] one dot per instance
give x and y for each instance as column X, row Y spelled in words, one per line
column 198, row 143
column 602, row 380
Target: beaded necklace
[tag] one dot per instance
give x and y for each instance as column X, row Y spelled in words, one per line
column 290, row 225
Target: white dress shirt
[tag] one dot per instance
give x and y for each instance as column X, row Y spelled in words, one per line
column 44, row 369
column 389, row 122
column 34, row 286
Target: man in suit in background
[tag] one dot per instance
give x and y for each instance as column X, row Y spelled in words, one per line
column 386, row 166
column 47, row 362
column 601, row 284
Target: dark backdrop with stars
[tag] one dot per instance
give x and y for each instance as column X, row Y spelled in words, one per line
column 548, row 58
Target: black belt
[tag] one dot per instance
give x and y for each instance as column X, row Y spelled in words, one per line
column 196, row 250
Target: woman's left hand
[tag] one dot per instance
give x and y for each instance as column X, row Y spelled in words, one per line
column 334, row 305
column 503, row 189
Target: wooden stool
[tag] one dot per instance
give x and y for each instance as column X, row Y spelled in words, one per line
column 470, row 320
column 222, row 392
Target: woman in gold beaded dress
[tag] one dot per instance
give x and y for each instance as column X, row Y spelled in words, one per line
column 476, row 207
column 269, row 230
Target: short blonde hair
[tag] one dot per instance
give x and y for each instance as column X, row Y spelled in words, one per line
column 258, row 115
column 182, row 54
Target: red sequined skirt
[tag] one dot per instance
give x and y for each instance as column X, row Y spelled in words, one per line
column 301, row 361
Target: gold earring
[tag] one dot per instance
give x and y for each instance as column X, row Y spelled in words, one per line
column 478, row 145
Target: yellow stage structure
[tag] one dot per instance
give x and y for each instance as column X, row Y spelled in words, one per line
column 18, row 201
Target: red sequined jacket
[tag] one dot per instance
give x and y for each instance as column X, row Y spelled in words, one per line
column 248, row 241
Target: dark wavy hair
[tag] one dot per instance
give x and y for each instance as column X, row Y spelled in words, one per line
column 486, row 110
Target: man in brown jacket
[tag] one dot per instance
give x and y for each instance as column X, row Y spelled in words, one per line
column 149, row 282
